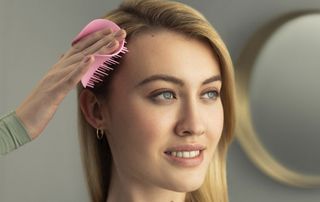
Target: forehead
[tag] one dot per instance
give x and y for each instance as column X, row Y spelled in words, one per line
column 168, row 52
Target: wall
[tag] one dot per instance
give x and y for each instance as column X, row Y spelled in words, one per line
column 35, row 33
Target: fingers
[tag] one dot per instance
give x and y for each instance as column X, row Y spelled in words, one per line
column 109, row 41
column 78, row 57
column 74, row 73
column 108, row 49
column 77, row 73
column 95, row 41
column 107, row 45
column 91, row 39
column 87, row 41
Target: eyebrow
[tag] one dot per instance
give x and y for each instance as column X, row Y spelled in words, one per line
column 174, row 80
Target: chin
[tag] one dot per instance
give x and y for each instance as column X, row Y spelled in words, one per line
column 186, row 185
column 185, row 180
column 188, row 188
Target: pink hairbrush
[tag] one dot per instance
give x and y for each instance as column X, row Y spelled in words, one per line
column 101, row 64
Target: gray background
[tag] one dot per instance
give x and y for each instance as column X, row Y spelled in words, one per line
column 285, row 95
column 34, row 33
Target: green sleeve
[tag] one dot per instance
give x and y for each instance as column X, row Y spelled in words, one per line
column 12, row 133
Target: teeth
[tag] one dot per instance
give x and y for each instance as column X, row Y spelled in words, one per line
column 185, row 154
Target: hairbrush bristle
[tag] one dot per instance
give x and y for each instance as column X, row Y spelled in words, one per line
column 104, row 69
column 101, row 65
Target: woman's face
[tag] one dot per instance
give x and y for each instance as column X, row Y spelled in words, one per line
column 165, row 108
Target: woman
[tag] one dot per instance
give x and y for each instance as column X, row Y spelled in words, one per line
column 164, row 94
column 158, row 127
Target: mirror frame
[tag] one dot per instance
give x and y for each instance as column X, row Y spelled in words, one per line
column 245, row 132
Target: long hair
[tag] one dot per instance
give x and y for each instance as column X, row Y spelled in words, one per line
column 137, row 16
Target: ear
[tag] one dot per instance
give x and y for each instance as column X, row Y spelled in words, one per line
column 92, row 109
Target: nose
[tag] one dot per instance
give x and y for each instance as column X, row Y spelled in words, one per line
column 190, row 121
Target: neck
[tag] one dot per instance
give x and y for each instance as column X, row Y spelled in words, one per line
column 127, row 189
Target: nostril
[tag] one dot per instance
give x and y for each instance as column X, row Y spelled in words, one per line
column 190, row 132
column 187, row 132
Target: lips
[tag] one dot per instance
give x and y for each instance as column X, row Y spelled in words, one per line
column 186, row 156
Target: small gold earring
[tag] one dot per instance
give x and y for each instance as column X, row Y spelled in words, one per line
column 100, row 133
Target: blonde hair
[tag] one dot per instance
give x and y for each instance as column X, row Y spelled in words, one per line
column 139, row 16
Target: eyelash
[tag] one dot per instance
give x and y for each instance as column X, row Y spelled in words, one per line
column 155, row 95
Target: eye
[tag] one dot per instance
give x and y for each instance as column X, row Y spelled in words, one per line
column 212, row 94
column 164, row 95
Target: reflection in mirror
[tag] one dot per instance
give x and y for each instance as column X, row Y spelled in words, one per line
column 279, row 112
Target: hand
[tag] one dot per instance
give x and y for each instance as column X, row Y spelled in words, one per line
column 39, row 107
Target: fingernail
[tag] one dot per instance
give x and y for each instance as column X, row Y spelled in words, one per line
column 107, row 31
column 112, row 43
column 119, row 33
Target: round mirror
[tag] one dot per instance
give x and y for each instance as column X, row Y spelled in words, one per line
column 278, row 80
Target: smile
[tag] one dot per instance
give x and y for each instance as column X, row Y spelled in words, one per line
column 187, row 155
column 184, row 154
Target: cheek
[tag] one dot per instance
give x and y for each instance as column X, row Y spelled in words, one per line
column 215, row 125
column 139, row 128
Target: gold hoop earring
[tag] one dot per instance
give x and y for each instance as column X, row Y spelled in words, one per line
column 100, row 133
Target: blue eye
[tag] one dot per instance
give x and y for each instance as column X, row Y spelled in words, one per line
column 166, row 95
column 213, row 95
column 169, row 95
